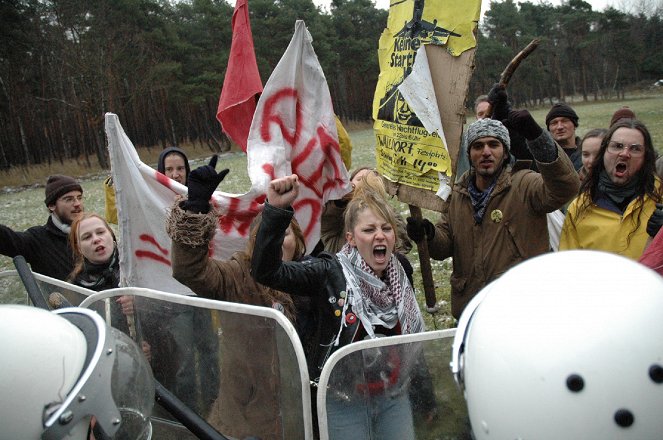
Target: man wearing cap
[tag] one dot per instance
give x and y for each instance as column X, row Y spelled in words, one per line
column 562, row 122
column 46, row 247
column 496, row 215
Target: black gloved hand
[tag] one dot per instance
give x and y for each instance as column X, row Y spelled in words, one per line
column 523, row 122
column 655, row 221
column 418, row 229
column 202, row 182
column 499, row 100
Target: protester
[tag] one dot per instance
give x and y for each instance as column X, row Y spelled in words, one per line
column 495, row 105
column 174, row 164
column 496, row 217
column 46, row 247
column 249, row 403
column 361, row 291
column 333, row 236
column 622, row 113
column 97, row 264
column 652, row 257
column 589, row 148
column 617, row 202
column 332, row 225
column 562, row 122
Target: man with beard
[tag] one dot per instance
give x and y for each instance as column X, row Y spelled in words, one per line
column 496, row 215
column 46, row 247
column 619, row 206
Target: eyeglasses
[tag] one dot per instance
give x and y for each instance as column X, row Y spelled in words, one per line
column 71, row 199
column 636, row 150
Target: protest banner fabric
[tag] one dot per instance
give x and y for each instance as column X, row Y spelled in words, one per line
column 293, row 131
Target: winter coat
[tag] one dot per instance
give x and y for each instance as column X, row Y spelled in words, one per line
column 45, row 247
column 603, row 226
column 513, row 229
column 319, row 278
column 249, row 397
column 652, row 257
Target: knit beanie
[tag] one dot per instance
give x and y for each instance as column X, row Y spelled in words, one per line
column 622, row 113
column 57, row 185
column 488, row 127
column 561, row 110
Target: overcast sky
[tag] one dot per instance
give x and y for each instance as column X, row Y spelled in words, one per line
column 597, row 5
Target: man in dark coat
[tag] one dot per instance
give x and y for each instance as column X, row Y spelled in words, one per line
column 46, row 247
column 562, row 122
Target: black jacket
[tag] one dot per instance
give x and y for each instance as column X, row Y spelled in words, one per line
column 45, row 247
column 319, row 278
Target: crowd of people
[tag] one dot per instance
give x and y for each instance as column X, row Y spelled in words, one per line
column 357, row 284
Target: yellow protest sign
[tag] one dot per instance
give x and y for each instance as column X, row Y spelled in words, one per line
column 405, row 151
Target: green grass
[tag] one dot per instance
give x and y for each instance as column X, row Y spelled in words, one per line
column 24, row 208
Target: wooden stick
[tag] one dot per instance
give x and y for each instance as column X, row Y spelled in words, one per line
column 505, row 77
column 426, row 270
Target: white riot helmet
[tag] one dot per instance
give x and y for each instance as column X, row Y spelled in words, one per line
column 568, row 345
column 62, row 370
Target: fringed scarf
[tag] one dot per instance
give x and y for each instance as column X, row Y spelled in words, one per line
column 100, row 276
column 375, row 302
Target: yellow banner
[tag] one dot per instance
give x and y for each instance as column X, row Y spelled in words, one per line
column 405, row 151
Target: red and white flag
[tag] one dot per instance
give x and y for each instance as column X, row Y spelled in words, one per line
column 242, row 83
column 293, row 131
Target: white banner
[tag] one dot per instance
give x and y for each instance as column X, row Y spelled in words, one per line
column 293, row 131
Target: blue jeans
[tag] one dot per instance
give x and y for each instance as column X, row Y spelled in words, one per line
column 378, row 417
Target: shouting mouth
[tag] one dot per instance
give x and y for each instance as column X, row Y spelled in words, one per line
column 620, row 169
column 380, row 253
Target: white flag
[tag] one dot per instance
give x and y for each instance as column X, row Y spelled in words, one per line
column 293, row 131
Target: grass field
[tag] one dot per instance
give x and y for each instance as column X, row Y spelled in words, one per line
column 24, row 207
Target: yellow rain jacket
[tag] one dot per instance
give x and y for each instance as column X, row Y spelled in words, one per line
column 602, row 229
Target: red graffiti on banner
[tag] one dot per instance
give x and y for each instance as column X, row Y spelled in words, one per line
column 240, row 219
column 316, row 161
column 150, row 255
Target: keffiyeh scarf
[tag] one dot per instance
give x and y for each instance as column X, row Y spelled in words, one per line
column 376, row 302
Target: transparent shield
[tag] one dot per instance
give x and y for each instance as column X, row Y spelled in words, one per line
column 392, row 388
column 242, row 372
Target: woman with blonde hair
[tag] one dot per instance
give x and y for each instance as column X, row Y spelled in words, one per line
column 360, row 292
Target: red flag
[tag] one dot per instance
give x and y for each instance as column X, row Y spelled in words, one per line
column 242, row 83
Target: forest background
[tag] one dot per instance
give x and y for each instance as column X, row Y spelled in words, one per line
column 160, row 65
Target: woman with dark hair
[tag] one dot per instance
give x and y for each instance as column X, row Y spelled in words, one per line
column 589, row 149
column 616, row 210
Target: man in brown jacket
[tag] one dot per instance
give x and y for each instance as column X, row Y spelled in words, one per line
column 496, row 215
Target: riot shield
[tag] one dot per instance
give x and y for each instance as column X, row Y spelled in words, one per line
column 240, row 367
column 392, row 388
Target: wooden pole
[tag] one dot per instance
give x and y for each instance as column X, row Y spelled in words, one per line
column 426, row 269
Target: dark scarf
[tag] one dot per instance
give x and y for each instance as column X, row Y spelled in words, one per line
column 100, row 276
column 621, row 195
column 480, row 199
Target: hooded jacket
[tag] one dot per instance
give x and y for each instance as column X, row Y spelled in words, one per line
column 161, row 166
